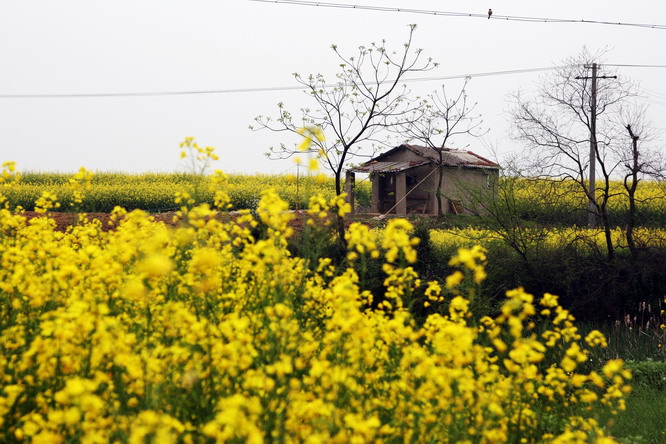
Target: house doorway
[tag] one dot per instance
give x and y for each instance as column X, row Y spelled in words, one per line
column 386, row 192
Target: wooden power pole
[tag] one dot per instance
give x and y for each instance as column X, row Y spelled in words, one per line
column 591, row 203
column 592, row 198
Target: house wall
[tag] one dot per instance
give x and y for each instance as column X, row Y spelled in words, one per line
column 416, row 184
column 418, row 193
column 463, row 185
column 427, row 179
column 458, row 185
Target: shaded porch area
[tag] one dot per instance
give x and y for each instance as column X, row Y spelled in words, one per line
column 400, row 188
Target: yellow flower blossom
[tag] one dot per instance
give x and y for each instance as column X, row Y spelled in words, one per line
column 213, row 329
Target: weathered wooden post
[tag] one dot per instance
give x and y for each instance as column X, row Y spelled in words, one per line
column 401, row 194
column 375, row 192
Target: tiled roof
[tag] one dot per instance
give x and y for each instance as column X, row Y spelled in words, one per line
column 386, row 167
column 450, row 157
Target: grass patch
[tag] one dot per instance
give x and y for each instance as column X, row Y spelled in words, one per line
column 644, row 420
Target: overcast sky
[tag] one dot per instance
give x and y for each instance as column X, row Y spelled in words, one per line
column 88, row 47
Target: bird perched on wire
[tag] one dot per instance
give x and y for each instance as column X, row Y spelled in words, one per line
column 490, row 12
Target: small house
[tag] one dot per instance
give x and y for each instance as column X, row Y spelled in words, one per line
column 405, row 180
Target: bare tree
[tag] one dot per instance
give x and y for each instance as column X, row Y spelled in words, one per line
column 366, row 99
column 437, row 120
column 564, row 120
column 639, row 161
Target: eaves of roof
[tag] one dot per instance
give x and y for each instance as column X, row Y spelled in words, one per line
column 450, row 157
column 373, row 166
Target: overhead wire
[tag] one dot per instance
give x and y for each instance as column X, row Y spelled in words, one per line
column 288, row 88
column 618, row 65
column 655, row 93
column 362, row 7
column 653, row 101
column 659, row 102
column 651, row 96
column 514, row 18
column 265, row 89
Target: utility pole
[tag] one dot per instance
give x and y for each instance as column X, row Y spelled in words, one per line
column 591, row 203
column 592, row 198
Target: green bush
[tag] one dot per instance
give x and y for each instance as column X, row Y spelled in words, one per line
column 648, row 374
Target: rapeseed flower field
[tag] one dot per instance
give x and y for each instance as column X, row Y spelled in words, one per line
column 155, row 192
column 579, row 238
column 563, row 202
column 212, row 331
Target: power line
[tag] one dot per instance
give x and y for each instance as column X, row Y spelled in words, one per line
column 652, row 96
column 513, row 18
column 290, row 88
column 145, row 93
column 633, row 66
column 266, row 89
column 654, row 93
column 653, row 101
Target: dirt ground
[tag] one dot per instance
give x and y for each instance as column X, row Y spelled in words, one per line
column 64, row 220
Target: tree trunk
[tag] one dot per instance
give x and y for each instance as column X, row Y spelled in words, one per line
column 631, row 194
column 631, row 218
column 603, row 214
column 339, row 221
column 607, row 233
column 440, row 207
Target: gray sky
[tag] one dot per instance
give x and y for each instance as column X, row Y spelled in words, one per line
column 78, row 47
